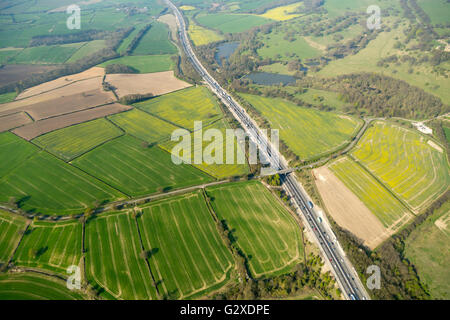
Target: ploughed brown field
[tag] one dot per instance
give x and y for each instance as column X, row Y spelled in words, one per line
column 67, row 104
column 348, row 210
column 157, row 83
column 95, row 72
column 58, row 96
column 35, row 129
column 13, row 121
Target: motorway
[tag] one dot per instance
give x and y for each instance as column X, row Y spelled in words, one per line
column 342, row 269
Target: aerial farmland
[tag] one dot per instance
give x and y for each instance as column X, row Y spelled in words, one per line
column 111, row 190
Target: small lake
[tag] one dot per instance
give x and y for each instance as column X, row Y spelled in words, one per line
column 225, row 50
column 268, row 79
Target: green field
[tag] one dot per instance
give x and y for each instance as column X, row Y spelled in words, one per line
column 373, row 194
column 11, row 227
column 5, row 55
column 113, row 258
column 87, row 49
column 231, row 23
column 184, row 107
column 42, row 183
column 144, row 64
column 127, row 41
column 136, row 170
column 275, row 46
column 405, row 162
column 437, row 10
column 427, row 247
column 264, row 230
column 7, row 97
column 143, row 125
column 447, row 133
column 155, row 41
column 307, row 132
column 221, row 169
column 13, row 151
column 73, row 141
column 47, row 54
column 34, row 286
column 52, row 246
column 188, row 256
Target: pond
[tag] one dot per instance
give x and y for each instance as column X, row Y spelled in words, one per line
column 269, row 79
column 225, row 50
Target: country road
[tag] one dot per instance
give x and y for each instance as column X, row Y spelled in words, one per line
column 342, row 269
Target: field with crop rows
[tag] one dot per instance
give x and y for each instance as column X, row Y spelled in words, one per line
column 155, row 41
column 34, row 286
column 188, row 256
column 307, row 132
column 87, row 49
column 44, row 184
column 184, row 107
column 143, row 125
column 220, row 169
column 13, row 152
column 52, row 246
column 137, row 169
column 264, row 230
column 73, row 141
column 10, row 234
column 113, row 258
column 373, row 194
column 406, row 161
column 47, row 54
